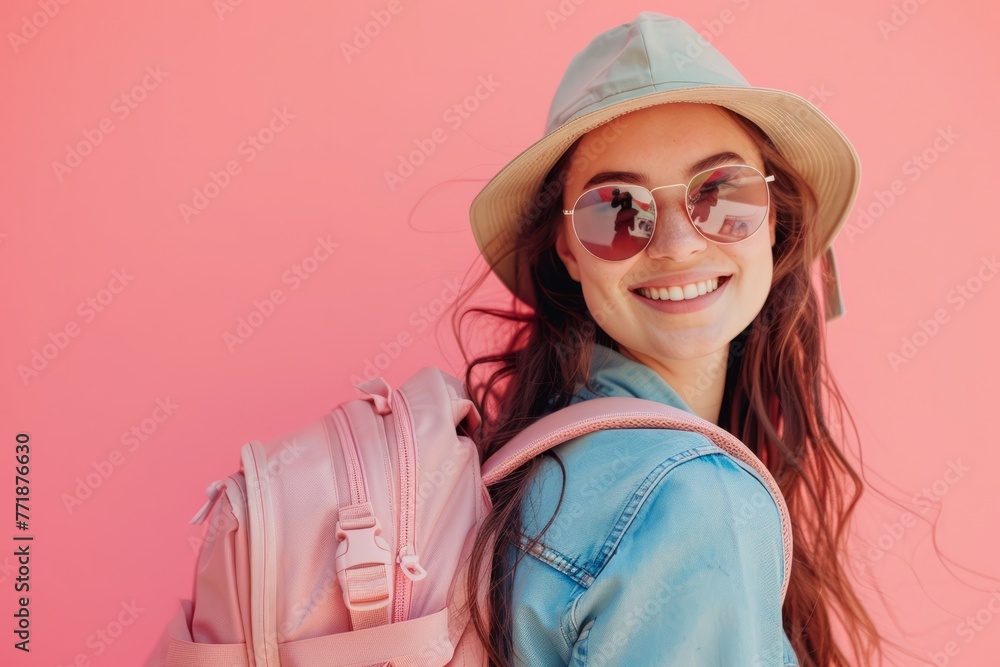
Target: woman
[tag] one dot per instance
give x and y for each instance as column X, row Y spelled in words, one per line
column 643, row 546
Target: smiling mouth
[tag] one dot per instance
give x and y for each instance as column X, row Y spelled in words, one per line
column 682, row 293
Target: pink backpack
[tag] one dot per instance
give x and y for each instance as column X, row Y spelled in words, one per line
column 347, row 541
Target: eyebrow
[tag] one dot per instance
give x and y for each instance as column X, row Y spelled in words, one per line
column 639, row 178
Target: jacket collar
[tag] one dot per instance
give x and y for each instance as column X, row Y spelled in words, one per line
column 614, row 374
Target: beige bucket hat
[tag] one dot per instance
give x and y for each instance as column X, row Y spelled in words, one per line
column 656, row 59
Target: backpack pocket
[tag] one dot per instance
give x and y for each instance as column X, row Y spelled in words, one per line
column 215, row 624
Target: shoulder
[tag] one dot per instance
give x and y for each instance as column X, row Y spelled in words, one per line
column 649, row 484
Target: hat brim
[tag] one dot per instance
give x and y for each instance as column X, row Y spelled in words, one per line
column 800, row 131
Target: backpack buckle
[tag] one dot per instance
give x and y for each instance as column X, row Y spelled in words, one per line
column 363, row 546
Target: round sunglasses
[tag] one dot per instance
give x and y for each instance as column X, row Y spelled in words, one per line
column 615, row 222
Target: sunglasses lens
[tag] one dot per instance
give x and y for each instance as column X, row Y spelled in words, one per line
column 614, row 222
column 728, row 204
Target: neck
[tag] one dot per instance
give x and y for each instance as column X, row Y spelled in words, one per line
column 699, row 382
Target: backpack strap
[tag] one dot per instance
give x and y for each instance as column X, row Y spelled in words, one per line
column 608, row 412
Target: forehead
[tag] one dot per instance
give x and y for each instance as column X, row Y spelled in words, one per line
column 662, row 140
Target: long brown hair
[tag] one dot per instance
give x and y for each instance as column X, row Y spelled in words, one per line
column 773, row 401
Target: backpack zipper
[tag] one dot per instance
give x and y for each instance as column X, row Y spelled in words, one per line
column 264, row 617
column 359, row 493
column 408, row 559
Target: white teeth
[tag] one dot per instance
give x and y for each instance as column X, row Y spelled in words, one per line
column 680, row 293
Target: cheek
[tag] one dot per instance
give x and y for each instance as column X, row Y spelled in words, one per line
column 757, row 267
column 602, row 286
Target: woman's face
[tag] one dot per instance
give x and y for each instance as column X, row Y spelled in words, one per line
column 662, row 143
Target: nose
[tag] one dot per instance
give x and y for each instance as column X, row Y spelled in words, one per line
column 674, row 235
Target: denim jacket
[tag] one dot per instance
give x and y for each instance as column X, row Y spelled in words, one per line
column 665, row 551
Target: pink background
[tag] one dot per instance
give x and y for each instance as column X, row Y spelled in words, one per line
column 160, row 336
